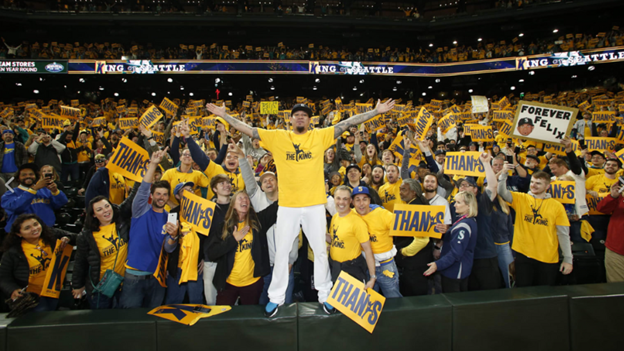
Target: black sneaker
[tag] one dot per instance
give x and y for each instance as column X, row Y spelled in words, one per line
column 270, row 309
column 329, row 309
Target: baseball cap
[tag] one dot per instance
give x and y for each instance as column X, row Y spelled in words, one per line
column 66, row 123
column 301, row 107
column 265, row 174
column 353, row 165
column 469, row 180
column 440, row 152
column 100, row 158
column 533, row 157
column 7, row 131
column 524, row 121
column 179, row 187
column 360, row 190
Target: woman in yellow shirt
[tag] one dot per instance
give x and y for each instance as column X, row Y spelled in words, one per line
column 27, row 255
column 241, row 252
column 102, row 246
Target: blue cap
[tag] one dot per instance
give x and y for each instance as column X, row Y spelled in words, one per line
column 360, row 190
column 7, row 131
column 180, row 186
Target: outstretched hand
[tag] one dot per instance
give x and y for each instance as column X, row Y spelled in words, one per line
column 216, row 110
column 158, row 155
column 384, row 107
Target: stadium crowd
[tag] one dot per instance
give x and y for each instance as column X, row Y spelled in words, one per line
column 483, row 49
column 276, row 179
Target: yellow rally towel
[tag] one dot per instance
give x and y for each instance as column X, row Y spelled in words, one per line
column 586, row 230
column 189, row 254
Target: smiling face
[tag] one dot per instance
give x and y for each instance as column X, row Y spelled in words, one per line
column 525, row 129
column 30, row 230
column 7, row 137
column 241, row 204
column 103, row 211
column 371, row 151
column 223, row 188
column 27, row 177
column 343, row 201
column 430, row 183
column 461, row 207
column 354, row 175
column 269, row 184
column 378, row 174
column 538, row 186
column 160, row 197
column 361, row 203
column 231, row 162
column 185, row 157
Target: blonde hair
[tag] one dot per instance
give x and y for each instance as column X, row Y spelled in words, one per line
column 471, row 200
column 503, row 205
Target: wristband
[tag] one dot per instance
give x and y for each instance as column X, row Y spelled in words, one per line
column 172, row 238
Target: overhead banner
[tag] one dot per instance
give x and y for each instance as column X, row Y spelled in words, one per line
column 129, row 159
column 33, row 66
column 464, row 163
column 197, row 212
column 55, row 275
column 543, row 123
column 563, row 191
column 417, row 220
column 363, row 306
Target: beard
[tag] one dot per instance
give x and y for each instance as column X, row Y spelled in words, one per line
column 430, row 190
column 300, row 129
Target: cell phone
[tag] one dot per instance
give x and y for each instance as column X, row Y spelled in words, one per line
column 48, row 176
column 173, row 218
column 621, row 180
column 509, row 159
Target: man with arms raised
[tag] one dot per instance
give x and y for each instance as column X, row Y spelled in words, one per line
column 298, row 157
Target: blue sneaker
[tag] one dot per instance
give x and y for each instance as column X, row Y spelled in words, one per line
column 329, row 309
column 270, row 309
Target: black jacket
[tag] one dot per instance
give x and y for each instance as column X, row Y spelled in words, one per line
column 20, row 154
column 419, row 260
column 87, row 262
column 224, row 251
column 14, row 269
column 70, row 154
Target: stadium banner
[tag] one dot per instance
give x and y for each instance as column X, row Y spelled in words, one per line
column 542, row 122
column 34, row 66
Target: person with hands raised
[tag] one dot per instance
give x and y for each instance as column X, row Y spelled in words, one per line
column 147, row 232
column 40, row 196
column 613, row 205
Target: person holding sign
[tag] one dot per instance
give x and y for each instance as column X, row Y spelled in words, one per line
column 102, row 245
column 349, row 238
column 601, row 184
column 298, row 156
column 379, row 222
column 455, row 263
column 241, row 251
column 27, row 256
column 541, row 228
column 149, row 228
column 614, row 253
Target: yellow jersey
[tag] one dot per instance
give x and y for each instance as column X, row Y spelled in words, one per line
column 112, row 249
column 390, row 195
column 348, row 233
column 600, row 183
column 379, row 223
column 243, row 269
column 39, row 257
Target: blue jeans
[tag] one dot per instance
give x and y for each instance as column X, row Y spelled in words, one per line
column 141, row 291
column 505, row 257
column 46, row 304
column 99, row 301
column 389, row 286
column 176, row 292
column 264, row 297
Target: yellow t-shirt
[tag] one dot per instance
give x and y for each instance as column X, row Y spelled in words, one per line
column 600, row 183
column 379, row 223
column 390, row 195
column 212, row 170
column 242, row 273
column 108, row 243
column 189, row 255
column 175, row 177
column 299, row 162
column 535, row 234
column 83, row 156
column 39, row 257
column 236, row 179
column 116, row 188
column 348, row 233
column 594, row 171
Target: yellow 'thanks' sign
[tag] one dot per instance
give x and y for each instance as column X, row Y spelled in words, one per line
column 269, row 107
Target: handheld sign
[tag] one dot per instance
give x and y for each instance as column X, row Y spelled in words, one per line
column 479, row 104
column 129, row 159
column 269, row 107
column 55, row 275
column 600, row 144
column 423, row 123
column 607, row 117
column 543, row 123
column 480, row 133
column 197, row 212
column 100, row 121
column 150, row 117
column 447, row 123
column 49, row 122
column 563, row 191
column 620, row 155
column 592, row 202
column 169, row 107
column 559, row 149
column 128, row 123
column 374, row 124
column 417, row 220
column 361, row 306
column 70, row 112
column 187, row 314
column 464, row 163
column 505, row 128
column 209, row 123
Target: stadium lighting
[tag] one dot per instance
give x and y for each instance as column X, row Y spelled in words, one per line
column 170, row 80
column 555, row 30
column 437, row 80
column 424, row 94
column 36, row 91
column 317, row 80
column 125, row 80
column 18, row 84
column 41, row 79
column 470, row 91
column 521, row 35
column 230, row 93
column 521, row 81
column 574, row 76
column 191, row 94
column 431, row 45
column 591, row 68
column 314, row 87
column 81, row 80
column 272, row 88
column 531, row 73
column 217, row 80
column 430, row 87
column 361, row 81
column 399, row 82
column 116, row 94
column 181, row 87
column 394, row 89
column 270, row 80
column 101, row 88
column 65, row 86
column 480, row 39
column 354, row 88
column 361, row 94
column 512, row 88
column 153, row 94
column 454, row 42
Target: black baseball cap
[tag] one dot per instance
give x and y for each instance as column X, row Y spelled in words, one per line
column 596, row 152
column 353, row 165
column 524, row 121
column 533, row 157
column 440, row 152
column 301, row 107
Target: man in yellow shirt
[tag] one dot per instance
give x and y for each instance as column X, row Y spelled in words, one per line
column 349, row 238
column 184, row 174
column 389, row 192
column 298, row 157
column 379, row 221
column 541, row 228
column 601, row 183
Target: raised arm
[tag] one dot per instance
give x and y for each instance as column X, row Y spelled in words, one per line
column 492, row 182
column 502, row 183
column 363, row 117
column 238, row 125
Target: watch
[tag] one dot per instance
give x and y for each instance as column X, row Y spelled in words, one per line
column 374, row 276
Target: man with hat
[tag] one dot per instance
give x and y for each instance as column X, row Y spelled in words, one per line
column 298, row 157
column 379, row 222
column 100, row 161
column 106, row 183
column 584, row 128
column 12, row 155
column 46, row 151
column 35, row 195
column 532, row 164
column 525, row 126
column 354, row 175
column 597, row 164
